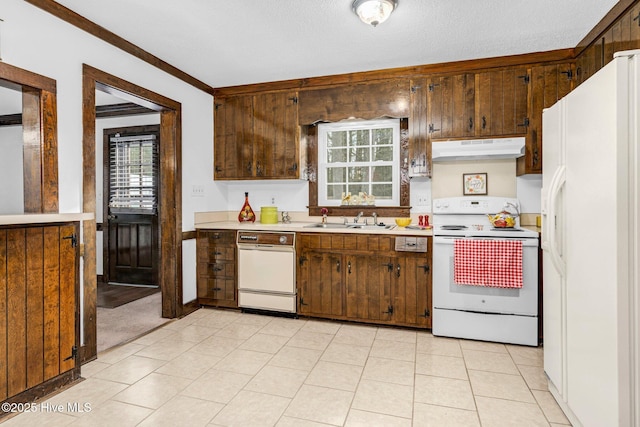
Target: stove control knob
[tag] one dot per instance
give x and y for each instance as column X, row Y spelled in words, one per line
column 283, row 240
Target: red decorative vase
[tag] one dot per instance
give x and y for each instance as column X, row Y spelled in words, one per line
column 246, row 213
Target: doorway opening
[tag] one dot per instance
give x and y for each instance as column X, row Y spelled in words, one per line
column 168, row 206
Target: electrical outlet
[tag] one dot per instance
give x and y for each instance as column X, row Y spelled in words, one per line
column 423, row 201
column 197, row 191
column 273, row 200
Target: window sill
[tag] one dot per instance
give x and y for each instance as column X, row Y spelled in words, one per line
column 353, row 210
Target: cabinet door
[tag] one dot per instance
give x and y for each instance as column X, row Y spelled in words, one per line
column 548, row 84
column 233, row 138
column 412, row 291
column 320, row 283
column 419, row 144
column 275, row 135
column 39, row 310
column 501, row 102
column 450, row 103
column 368, row 284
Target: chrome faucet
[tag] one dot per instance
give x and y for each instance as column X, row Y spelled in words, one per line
column 357, row 218
column 375, row 218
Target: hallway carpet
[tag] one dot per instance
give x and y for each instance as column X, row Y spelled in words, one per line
column 127, row 322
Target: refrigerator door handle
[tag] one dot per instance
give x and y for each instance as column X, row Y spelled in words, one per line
column 557, row 183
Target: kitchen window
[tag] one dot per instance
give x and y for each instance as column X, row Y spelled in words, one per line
column 360, row 158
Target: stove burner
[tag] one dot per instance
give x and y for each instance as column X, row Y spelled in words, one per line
column 454, row 227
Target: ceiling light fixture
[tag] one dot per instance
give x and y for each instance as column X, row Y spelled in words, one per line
column 374, row 12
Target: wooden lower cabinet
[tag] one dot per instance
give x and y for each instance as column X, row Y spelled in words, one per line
column 216, row 266
column 362, row 278
column 39, row 311
column 319, row 277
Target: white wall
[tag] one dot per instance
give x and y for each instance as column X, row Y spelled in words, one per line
column 11, row 178
column 36, row 41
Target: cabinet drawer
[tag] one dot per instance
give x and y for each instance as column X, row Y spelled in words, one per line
column 219, row 289
column 217, row 269
column 222, row 253
column 221, row 237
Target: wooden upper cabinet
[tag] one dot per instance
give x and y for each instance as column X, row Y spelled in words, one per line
column 276, row 140
column 419, row 146
column 233, row 137
column 450, row 105
column 501, row 102
column 549, row 83
column 256, row 136
column 361, row 101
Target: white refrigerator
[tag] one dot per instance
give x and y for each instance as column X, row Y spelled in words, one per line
column 590, row 230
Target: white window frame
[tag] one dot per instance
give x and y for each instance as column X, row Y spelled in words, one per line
column 325, row 128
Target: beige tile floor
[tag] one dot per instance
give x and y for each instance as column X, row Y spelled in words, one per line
column 225, row 368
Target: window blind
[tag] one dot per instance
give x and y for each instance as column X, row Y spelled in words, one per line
column 133, row 181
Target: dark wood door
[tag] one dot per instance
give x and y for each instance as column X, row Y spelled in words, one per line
column 133, row 249
column 131, row 231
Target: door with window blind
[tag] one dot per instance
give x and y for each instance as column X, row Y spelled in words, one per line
column 131, row 190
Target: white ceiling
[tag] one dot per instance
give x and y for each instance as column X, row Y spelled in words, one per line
column 235, row 42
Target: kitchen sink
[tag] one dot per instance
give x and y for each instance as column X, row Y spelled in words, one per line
column 347, row 226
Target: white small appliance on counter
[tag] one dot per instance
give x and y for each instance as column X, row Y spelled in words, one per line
column 469, row 301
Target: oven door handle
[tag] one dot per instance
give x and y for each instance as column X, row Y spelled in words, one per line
column 449, row 240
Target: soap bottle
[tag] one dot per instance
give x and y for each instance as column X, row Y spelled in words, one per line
column 246, row 213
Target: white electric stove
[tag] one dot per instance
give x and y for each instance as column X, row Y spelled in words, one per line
column 498, row 314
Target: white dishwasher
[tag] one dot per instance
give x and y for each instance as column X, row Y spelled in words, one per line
column 266, row 271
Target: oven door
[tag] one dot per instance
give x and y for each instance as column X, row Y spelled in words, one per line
column 484, row 299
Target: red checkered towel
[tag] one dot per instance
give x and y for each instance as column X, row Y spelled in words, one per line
column 487, row 263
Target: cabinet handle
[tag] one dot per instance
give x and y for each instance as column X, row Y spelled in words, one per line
column 432, row 128
column 338, row 266
column 637, row 18
column 216, row 268
column 74, row 354
column 425, row 267
column 389, row 310
column 217, row 253
column 349, row 267
column 259, row 171
column 302, row 301
column 217, row 236
column 484, row 122
column 568, row 73
column 216, row 289
column 294, row 167
column 470, row 123
column 525, row 123
column 427, row 313
column 218, row 169
column 249, row 167
column 302, row 259
column 389, row 267
column 398, row 270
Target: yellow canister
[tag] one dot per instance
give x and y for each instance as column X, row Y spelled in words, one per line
column 269, row 215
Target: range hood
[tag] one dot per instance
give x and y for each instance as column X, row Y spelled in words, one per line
column 477, row 149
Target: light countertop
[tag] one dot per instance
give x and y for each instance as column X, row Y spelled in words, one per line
column 299, row 226
column 44, row 218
